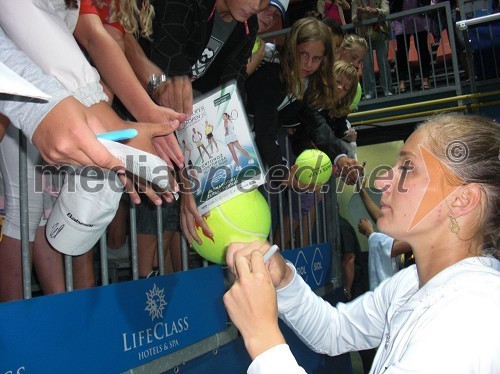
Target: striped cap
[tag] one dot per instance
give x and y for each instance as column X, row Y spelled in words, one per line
column 282, row 5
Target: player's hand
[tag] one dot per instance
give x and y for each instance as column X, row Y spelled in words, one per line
column 251, row 304
column 280, row 272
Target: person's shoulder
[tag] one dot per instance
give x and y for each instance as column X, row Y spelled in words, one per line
column 480, row 277
column 87, row 7
column 202, row 7
column 472, row 290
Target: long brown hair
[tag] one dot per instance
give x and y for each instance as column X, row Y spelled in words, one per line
column 318, row 92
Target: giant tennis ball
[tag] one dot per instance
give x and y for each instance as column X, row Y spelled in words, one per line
column 244, row 218
column 313, row 167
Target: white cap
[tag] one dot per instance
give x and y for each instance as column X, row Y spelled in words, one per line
column 86, row 205
column 282, row 5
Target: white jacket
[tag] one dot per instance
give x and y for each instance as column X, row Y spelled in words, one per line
column 26, row 115
column 43, row 29
column 448, row 326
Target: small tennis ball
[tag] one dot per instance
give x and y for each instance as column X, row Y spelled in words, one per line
column 256, row 45
column 314, row 167
column 244, row 218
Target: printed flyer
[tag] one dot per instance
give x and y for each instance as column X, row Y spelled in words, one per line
column 220, row 154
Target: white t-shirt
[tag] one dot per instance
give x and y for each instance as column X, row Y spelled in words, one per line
column 380, row 263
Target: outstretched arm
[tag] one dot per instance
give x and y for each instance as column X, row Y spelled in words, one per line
column 372, row 208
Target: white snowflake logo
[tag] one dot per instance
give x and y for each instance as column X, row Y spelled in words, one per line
column 156, row 302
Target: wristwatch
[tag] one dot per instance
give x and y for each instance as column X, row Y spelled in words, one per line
column 155, row 80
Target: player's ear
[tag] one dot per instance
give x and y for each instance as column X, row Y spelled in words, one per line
column 465, row 199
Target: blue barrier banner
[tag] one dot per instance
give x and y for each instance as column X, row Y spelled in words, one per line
column 112, row 328
column 312, row 263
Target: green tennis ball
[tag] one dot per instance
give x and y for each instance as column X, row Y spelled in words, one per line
column 256, row 45
column 357, row 99
column 244, row 218
column 313, row 167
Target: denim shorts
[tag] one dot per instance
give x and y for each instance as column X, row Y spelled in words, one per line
column 146, row 216
column 306, row 203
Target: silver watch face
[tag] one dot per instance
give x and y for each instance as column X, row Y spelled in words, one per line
column 154, row 81
column 157, row 79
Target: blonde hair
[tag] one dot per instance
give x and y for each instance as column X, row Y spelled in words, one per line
column 470, row 146
column 134, row 20
column 318, row 92
column 349, row 71
column 351, row 40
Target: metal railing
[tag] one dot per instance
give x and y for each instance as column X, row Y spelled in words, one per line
column 322, row 223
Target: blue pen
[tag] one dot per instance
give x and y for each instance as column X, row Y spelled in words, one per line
column 119, row 135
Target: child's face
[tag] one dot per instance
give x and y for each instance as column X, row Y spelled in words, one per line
column 352, row 55
column 311, row 57
column 268, row 17
column 342, row 87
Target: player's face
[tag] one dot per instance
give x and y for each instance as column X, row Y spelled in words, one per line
column 240, row 10
column 410, row 203
column 268, row 18
column 311, row 57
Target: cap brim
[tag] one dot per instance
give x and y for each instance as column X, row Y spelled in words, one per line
column 70, row 237
column 79, row 218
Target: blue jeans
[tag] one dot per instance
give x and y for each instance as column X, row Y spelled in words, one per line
column 369, row 86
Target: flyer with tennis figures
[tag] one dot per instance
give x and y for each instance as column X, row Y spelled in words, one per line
column 220, row 154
